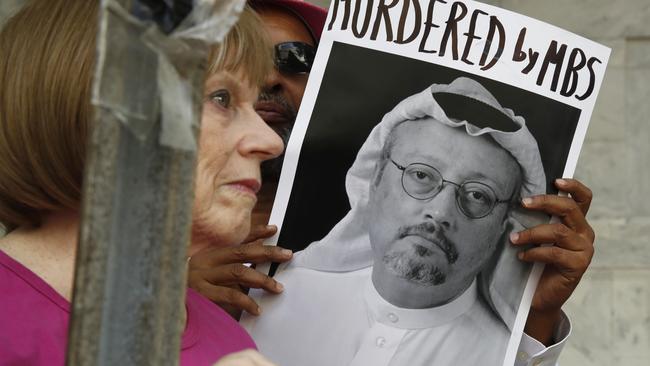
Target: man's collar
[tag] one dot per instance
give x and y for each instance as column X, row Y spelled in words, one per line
column 386, row 313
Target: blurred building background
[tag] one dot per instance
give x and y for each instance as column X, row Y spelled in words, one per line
column 610, row 309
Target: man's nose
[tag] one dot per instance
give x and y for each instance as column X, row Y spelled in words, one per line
column 273, row 81
column 441, row 208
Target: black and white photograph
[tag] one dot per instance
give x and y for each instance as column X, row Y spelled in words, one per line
column 400, row 198
column 432, row 196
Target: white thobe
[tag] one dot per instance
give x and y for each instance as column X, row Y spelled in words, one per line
column 339, row 319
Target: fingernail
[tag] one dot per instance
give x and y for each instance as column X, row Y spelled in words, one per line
column 279, row 286
column 514, row 237
column 561, row 182
column 286, row 252
column 271, row 227
column 520, row 255
column 259, row 310
column 527, row 201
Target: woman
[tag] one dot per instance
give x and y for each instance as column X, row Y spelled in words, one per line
column 46, row 66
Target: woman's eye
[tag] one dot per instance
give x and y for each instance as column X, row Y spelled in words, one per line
column 221, row 98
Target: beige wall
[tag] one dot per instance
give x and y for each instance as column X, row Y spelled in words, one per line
column 610, row 309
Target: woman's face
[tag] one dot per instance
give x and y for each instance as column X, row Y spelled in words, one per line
column 234, row 141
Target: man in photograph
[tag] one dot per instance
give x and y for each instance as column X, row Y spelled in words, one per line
column 410, row 275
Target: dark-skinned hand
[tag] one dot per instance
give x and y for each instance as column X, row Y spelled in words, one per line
column 566, row 260
column 221, row 273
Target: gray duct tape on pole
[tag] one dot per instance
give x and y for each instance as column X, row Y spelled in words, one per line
column 177, row 58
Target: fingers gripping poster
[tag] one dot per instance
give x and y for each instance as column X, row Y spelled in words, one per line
column 423, row 126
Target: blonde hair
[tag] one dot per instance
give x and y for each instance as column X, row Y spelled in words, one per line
column 47, row 56
column 246, row 48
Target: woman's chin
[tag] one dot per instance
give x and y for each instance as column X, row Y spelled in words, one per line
column 224, row 227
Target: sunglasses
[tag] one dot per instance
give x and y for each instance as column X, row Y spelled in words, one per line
column 294, row 57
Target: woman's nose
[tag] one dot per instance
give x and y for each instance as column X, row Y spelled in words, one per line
column 261, row 140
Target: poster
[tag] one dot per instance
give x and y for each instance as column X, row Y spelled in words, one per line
column 424, row 124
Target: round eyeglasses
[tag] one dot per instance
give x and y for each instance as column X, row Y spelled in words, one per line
column 422, row 182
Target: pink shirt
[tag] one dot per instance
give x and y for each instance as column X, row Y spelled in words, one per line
column 34, row 323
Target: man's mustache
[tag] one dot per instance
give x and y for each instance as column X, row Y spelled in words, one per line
column 279, row 99
column 430, row 232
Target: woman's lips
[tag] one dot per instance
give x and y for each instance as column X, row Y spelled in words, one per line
column 250, row 186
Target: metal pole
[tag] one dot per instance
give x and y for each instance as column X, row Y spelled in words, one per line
column 128, row 300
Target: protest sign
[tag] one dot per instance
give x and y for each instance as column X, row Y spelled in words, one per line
column 424, row 124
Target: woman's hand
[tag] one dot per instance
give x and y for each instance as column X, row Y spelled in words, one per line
column 566, row 261
column 244, row 358
column 222, row 274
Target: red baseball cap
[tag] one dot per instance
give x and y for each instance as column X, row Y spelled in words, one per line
column 311, row 15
